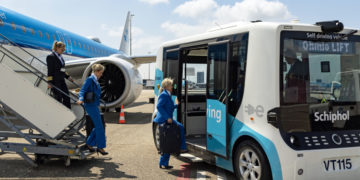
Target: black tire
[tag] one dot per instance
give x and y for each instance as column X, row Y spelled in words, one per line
column 156, row 135
column 254, row 162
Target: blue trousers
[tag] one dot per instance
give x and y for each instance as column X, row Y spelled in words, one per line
column 97, row 135
column 165, row 157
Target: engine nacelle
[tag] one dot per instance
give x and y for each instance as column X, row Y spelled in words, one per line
column 121, row 83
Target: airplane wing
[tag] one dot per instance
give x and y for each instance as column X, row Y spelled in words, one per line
column 143, row 59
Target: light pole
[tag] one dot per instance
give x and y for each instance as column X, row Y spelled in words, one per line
column 149, row 66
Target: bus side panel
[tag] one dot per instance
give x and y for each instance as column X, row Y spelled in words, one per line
column 239, row 129
column 158, row 78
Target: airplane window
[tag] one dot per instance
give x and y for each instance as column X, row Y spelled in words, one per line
column 79, row 45
column 1, row 22
column 13, row 25
column 32, row 31
column 47, row 35
column 88, row 47
column 92, row 49
column 95, row 50
column 54, row 37
column 69, row 42
column 23, row 28
column 41, row 34
column 74, row 43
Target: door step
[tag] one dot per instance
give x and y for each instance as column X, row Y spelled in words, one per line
column 191, row 157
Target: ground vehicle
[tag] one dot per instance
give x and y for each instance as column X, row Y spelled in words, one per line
column 260, row 117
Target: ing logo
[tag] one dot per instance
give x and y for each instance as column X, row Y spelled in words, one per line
column 214, row 114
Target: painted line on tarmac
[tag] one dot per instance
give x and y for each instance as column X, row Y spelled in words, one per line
column 201, row 175
column 184, row 173
column 220, row 174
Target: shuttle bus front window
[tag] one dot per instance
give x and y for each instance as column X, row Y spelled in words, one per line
column 318, row 96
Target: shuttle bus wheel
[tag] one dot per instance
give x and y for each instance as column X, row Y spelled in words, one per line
column 250, row 162
column 156, row 135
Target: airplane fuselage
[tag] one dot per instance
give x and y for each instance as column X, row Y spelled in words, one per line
column 30, row 33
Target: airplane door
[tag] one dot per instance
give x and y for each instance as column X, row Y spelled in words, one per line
column 216, row 98
column 171, row 70
column 68, row 46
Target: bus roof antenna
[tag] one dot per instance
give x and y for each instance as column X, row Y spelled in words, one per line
column 256, row 21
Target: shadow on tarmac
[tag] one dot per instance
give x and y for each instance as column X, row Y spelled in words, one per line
column 190, row 170
column 92, row 168
column 130, row 118
column 137, row 104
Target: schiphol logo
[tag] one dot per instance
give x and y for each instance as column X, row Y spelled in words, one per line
column 214, row 114
column 332, row 116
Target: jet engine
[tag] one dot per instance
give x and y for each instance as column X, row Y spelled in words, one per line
column 121, row 82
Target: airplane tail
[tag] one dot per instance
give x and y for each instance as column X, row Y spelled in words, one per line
column 125, row 45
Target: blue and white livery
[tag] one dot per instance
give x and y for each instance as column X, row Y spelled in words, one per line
column 269, row 100
column 122, row 83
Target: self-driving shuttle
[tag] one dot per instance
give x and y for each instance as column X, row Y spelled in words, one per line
column 265, row 111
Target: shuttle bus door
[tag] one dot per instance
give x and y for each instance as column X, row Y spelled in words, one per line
column 216, row 98
column 171, row 70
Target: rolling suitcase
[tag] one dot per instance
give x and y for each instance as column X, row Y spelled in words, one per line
column 169, row 138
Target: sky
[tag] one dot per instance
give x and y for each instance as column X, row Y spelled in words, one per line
column 158, row 21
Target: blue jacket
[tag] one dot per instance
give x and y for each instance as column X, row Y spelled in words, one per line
column 91, row 85
column 165, row 108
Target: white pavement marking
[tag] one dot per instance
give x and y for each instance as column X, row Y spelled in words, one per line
column 220, row 174
column 201, row 175
column 191, row 157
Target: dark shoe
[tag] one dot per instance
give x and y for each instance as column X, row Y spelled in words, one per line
column 102, row 152
column 165, row 167
column 184, row 151
column 90, row 148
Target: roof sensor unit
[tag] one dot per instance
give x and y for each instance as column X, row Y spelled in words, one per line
column 256, row 21
column 330, row 26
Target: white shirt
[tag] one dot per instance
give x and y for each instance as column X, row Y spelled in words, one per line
column 168, row 92
column 60, row 58
column 94, row 76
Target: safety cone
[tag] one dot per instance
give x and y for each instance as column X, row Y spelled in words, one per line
column 122, row 116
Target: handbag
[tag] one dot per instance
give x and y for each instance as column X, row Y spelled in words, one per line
column 89, row 96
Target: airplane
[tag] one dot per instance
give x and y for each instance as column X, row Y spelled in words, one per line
column 121, row 82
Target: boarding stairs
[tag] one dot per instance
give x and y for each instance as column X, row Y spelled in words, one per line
column 28, row 114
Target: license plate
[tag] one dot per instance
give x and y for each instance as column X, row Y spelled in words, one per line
column 342, row 164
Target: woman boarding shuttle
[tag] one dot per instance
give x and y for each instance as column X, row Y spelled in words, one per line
column 166, row 108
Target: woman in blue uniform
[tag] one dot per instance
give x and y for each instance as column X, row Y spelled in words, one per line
column 97, row 135
column 165, row 109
